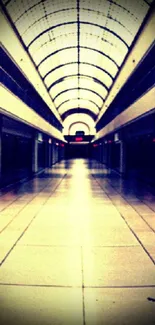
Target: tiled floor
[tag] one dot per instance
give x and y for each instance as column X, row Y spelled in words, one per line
column 77, row 246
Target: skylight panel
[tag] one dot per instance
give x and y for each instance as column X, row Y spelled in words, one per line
column 62, row 57
column 84, row 93
column 64, row 71
column 111, row 46
column 71, row 93
column 85, row 82
column 87, row 55
column 94, row 72
column 71, row 82
column 81, row 103
column 51, row 46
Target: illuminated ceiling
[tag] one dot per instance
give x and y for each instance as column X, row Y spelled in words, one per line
column 78, row 47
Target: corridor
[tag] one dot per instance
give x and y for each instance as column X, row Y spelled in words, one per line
column 77, row 246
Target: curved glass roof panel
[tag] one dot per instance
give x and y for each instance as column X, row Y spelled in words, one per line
column 112, row 23
column 62, row 72
column 71, row 82
column 110, row 44
column 90, row 56
column 78, row 46
column 81, row 103
column 57, row 59
column 40, row 47
column 94, row 72
column 78, row 93
column 61, row 37
column 78, row 110
column 94, row 86
column 75, row 82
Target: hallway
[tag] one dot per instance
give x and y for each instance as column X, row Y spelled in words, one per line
column 77, row 246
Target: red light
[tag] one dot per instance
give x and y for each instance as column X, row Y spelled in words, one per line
column 153, row 140
column 109, row 141
column 77, row 139
column 62, row 145
column 95, row 145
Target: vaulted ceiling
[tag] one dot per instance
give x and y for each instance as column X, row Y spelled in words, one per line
column 78, row 46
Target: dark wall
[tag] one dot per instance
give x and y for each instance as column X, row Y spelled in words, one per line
column 139, row 143
column 140, row 157
column 16, row 158
column 78, row 151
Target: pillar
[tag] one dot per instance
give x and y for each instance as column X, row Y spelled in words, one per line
column 35, row 153
column 54, row 148
column 122, row 157
column 49, row 162
column 109, row 155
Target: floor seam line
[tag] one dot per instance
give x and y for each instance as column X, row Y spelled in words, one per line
column 83, row 299
column 3, row 260
column 76, row 286
column 133, row 207
column 130, row 227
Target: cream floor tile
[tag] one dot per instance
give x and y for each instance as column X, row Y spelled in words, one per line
column 141, row 208
column 120, row 306
column 7, row 239
column 150, row 219
column 40, row 306
column 55, row 220
column 49, row 235
column 117, row 266
column 4, row 249
column 108, row 236
column 5, row 219
column 42, row 265
column 112, row 220
column 12, row 208
column 151, row 251
column 146, row 237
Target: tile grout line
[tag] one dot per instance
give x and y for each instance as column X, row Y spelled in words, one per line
column 128, row 202
column 77, row 287
column 14, row 217
column 83, row 300
column 3, row 260
column 129, row 226
column 138, row 240
column 20, row 196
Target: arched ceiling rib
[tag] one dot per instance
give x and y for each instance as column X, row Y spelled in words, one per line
column 81, row 63
column 75, row 22
column 76, row 110
column 83, row 102
column 64, row 78
column 81, row 118
column 79, row 126
column 75, row 47
column 77, row 88
column 78, row 46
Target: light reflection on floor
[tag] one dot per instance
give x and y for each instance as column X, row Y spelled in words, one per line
column 77, row 246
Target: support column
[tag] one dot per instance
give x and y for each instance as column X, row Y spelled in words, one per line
column 122, row 157
column 53, row 151
column 49, row 153
column 109, row 161
column 35, row 153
